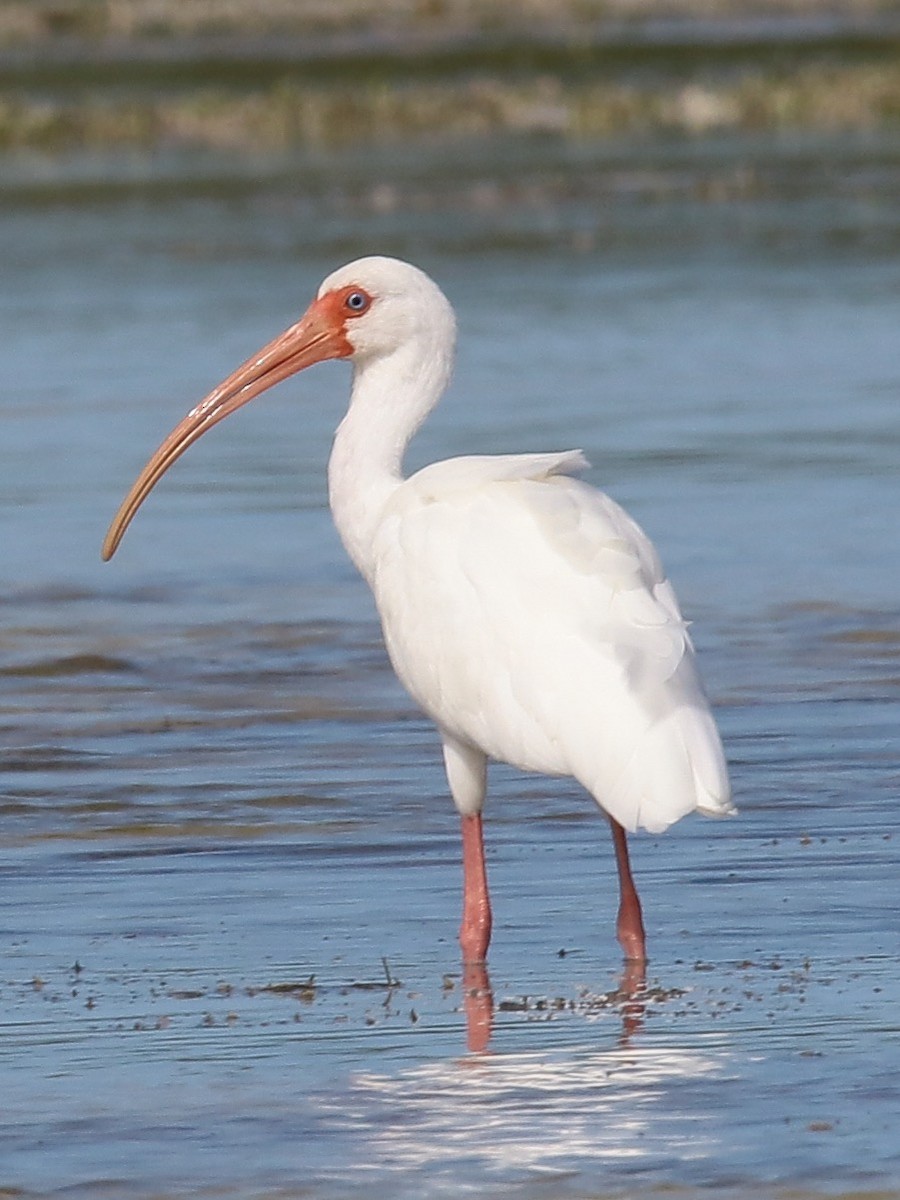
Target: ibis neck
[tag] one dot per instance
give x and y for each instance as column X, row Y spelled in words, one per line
column 390, row 399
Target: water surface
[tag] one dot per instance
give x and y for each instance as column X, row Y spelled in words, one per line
column 229, row 867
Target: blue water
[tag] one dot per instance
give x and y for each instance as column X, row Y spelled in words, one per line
column 229, row 880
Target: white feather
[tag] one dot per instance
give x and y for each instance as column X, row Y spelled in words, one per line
column 528, row 615
column 525, row 611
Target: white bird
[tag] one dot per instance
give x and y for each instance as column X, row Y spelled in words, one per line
column 524, row 611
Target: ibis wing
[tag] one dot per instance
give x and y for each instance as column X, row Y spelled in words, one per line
column 530, row 616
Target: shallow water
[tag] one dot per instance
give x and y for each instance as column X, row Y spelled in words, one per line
column 229, row 868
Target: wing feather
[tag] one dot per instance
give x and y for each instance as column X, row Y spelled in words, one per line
column 530, row 616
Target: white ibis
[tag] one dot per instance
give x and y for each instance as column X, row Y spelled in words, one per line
column 523, row 610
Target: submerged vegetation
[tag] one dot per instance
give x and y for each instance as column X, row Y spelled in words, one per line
column 150, row 75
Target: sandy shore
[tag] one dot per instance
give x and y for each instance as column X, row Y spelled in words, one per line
column 30, row 21
column 79, row 75
column 41, row 32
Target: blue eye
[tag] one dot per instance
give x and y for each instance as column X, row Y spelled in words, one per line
column 357, row 302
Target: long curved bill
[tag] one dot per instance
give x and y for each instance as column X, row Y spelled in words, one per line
column 317, row 336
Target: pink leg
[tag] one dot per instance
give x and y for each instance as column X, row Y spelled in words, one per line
column 479, row 1006
column 475, row 931
column 630, row 925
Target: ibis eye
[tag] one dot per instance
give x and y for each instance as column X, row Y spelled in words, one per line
column 357, row 302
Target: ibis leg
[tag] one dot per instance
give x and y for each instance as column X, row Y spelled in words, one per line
column 479, row 1006
column 630, row 924
column 475, row 931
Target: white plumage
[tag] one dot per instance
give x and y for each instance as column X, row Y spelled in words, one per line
column 529, row 617
column 525, row 611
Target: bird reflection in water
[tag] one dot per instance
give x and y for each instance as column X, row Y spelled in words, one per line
column 478, row 1003
column 582, row 1108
